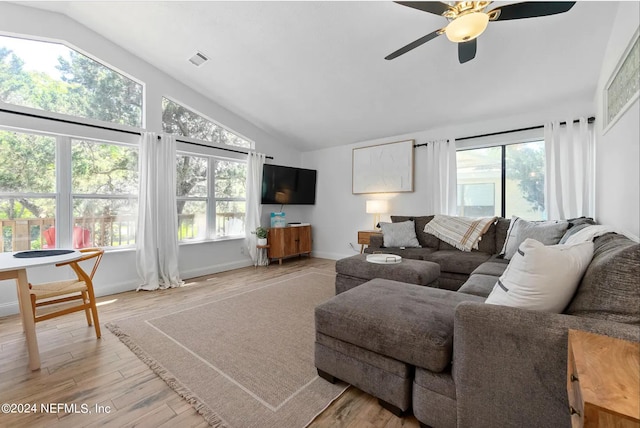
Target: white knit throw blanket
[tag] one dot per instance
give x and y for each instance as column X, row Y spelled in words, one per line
column 464, row 233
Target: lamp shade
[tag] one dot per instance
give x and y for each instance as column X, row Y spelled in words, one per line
column 467, row 27
column 377, row 206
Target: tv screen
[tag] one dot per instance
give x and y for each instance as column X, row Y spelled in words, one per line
column 288, row 185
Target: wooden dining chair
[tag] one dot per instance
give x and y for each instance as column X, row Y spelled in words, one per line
column 80, row 288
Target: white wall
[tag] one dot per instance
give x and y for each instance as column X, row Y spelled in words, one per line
column 118, row 272
column 617, row 150
column 339, row 214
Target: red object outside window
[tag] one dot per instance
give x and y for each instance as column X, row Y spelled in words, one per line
column 81, row 237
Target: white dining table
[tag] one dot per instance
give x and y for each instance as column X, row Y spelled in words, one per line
column 16, row 268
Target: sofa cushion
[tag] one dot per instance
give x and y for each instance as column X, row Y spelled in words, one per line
column 425, row 239
column 502, row 227
column 457, row 261
column 609, row 289
column 546, row 232
column 542, row 278
column 401, row 234
column 487, row 243
column 494, row 267
column 479, row 285
column 406, row 322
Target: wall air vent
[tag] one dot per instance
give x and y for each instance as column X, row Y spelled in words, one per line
column 198, row 59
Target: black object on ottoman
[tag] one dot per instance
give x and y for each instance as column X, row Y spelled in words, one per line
column 356, row 270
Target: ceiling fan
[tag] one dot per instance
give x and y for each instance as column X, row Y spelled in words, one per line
column 468, row 19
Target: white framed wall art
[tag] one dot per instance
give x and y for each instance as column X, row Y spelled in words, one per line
column 383, row 168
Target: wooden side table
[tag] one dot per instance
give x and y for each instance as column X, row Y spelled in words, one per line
column 364, row 237
column 603, row 381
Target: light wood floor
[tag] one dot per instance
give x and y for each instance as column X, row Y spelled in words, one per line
column 80, row 370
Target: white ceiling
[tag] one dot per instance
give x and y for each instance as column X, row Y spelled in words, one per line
column 314, row 74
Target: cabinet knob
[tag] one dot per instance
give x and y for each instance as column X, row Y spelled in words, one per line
column 573, row 411
column 573, row 378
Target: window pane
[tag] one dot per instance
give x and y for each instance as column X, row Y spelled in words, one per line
column 479, row 181
column 230, row 179
column 191, row 176
column 52, row 77
column 23, row 229
column 104, row 222
column 27, row 164
column 230, row 218
column 525, row 163
column 102, row 168
column 192, row 220
column 179, row 120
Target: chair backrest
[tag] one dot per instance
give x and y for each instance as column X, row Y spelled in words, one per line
column 87, row 254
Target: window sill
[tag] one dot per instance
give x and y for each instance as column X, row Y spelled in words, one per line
column 211, row 240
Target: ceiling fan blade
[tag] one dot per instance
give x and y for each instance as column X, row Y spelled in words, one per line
column 435, row 7
column 422, row 40
column 531, row 9
column 467, row 50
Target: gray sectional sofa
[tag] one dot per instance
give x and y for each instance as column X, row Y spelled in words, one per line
column 455, row 265
column 456, row 361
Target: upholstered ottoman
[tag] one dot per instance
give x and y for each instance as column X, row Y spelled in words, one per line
column 373, row 336
column 356, row 270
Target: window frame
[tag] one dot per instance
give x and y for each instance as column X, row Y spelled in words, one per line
column 63, row 168
column 70, row 119
column 215, row 122
column 210, row 199
column 502, row 140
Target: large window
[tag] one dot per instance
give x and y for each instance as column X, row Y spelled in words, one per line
column 179, row 120
column 502, row 180
column 57, row 191
column 211, row 197
column 27, row 190
column 54, row 78
column 105, row 185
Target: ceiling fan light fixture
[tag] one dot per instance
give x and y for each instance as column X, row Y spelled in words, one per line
column 467, row 27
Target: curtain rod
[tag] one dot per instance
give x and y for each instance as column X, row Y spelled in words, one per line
column 589, row 120
column 108, row 128
column 72, row 122
column 215, row 147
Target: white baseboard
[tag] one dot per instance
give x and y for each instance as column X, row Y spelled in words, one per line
column 193, row 273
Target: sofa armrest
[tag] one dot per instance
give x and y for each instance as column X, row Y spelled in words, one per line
column 510, row 365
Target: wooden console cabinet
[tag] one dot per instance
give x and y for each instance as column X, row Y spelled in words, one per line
column 289, row 241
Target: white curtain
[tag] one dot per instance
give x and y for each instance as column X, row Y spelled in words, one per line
column 255, row 163
column 441, row 177
column 569, row 179
column 157, row 240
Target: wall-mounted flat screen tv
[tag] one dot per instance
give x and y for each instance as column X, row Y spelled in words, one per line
column 288, row 185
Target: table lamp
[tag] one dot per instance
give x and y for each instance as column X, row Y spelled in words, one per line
column 377, row 207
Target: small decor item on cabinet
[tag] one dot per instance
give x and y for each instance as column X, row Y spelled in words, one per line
column 261, row 234
column 278, row 220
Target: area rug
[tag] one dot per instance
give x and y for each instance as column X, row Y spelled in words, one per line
column 244, row 358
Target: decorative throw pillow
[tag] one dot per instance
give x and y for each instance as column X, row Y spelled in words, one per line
column 542, row 278
column 546, row 232
column 401, row 234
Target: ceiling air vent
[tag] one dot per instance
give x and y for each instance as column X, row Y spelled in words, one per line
column 198, row 59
